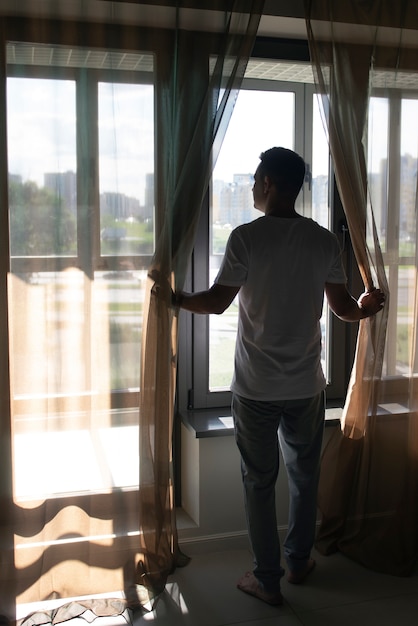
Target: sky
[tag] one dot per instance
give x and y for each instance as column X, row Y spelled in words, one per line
column 258, row 122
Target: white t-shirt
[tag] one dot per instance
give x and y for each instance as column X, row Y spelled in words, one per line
column 281, row 265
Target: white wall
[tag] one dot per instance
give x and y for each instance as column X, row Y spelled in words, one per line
column 212, row 496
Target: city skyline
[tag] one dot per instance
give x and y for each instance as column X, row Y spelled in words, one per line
column 232, row 201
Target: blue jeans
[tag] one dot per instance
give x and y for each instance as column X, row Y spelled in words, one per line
column 260, row 427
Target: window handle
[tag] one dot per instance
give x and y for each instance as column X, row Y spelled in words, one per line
column 345, row 233
column 308, row 176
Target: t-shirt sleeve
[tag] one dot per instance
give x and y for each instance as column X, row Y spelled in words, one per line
column 234, row 267
column 336, row 272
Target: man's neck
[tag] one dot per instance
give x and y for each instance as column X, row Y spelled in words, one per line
column 280, row 205
column 281, row 210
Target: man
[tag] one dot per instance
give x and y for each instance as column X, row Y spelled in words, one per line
column 281, row 264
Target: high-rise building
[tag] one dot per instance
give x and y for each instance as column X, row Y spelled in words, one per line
column 118, row 205
column 64, row 186
column 233, row 202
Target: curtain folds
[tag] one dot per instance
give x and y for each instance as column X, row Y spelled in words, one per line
column 358, row 62
column 78, row 515
column 197, row 102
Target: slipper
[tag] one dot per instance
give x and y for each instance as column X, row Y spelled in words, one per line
column 297, row 579
column 249, row 584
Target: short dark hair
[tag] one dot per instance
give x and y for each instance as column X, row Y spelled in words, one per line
column 284, row 167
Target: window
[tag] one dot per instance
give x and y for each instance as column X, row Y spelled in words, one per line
column 80, row 129
column 393, row 156
column 270, row 110
column 126, row 162
column 42, row 203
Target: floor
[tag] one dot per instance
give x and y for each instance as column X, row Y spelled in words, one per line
column 337, row 593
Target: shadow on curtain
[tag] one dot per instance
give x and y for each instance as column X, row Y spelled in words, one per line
column 364, row 60
column 99, row 533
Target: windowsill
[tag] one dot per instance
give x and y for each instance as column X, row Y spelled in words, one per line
column 209, row 422
column 217, row 422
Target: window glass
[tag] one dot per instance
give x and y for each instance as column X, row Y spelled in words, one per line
column 126, row 169
column 408, row 173
column 405, row 285
column 41, row 133
column 392, row 160
column 321, row 213
column 119, row 299
column 261, row 120
column 320, row 168
column 377, row 163
column 126, row 185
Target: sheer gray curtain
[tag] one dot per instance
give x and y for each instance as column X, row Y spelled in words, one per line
column 196, row 104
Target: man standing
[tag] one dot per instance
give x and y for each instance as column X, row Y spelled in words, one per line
column 281, row 264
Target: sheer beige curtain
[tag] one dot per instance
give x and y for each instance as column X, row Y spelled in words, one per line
column 365, row 64
column 108, row 129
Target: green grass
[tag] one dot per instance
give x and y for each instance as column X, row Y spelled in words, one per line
column 221, row 364
column 124, row 307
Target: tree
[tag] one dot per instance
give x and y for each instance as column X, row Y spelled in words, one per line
column 40, row 222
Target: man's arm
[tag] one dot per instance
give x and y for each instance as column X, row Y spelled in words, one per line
column 348, row 308
column 214, row 300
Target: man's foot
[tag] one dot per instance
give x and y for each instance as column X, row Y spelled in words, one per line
column 297, row 579
column 249, row 584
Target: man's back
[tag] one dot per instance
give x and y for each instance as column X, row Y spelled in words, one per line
column 282, row 265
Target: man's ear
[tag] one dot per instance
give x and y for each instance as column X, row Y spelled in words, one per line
column 267, row 183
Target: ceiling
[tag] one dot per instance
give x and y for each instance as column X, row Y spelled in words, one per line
column 208, row 16
column 280, row 19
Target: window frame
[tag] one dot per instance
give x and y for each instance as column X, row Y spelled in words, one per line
column 86, row 112
column 193, row 391
column 89, row 257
